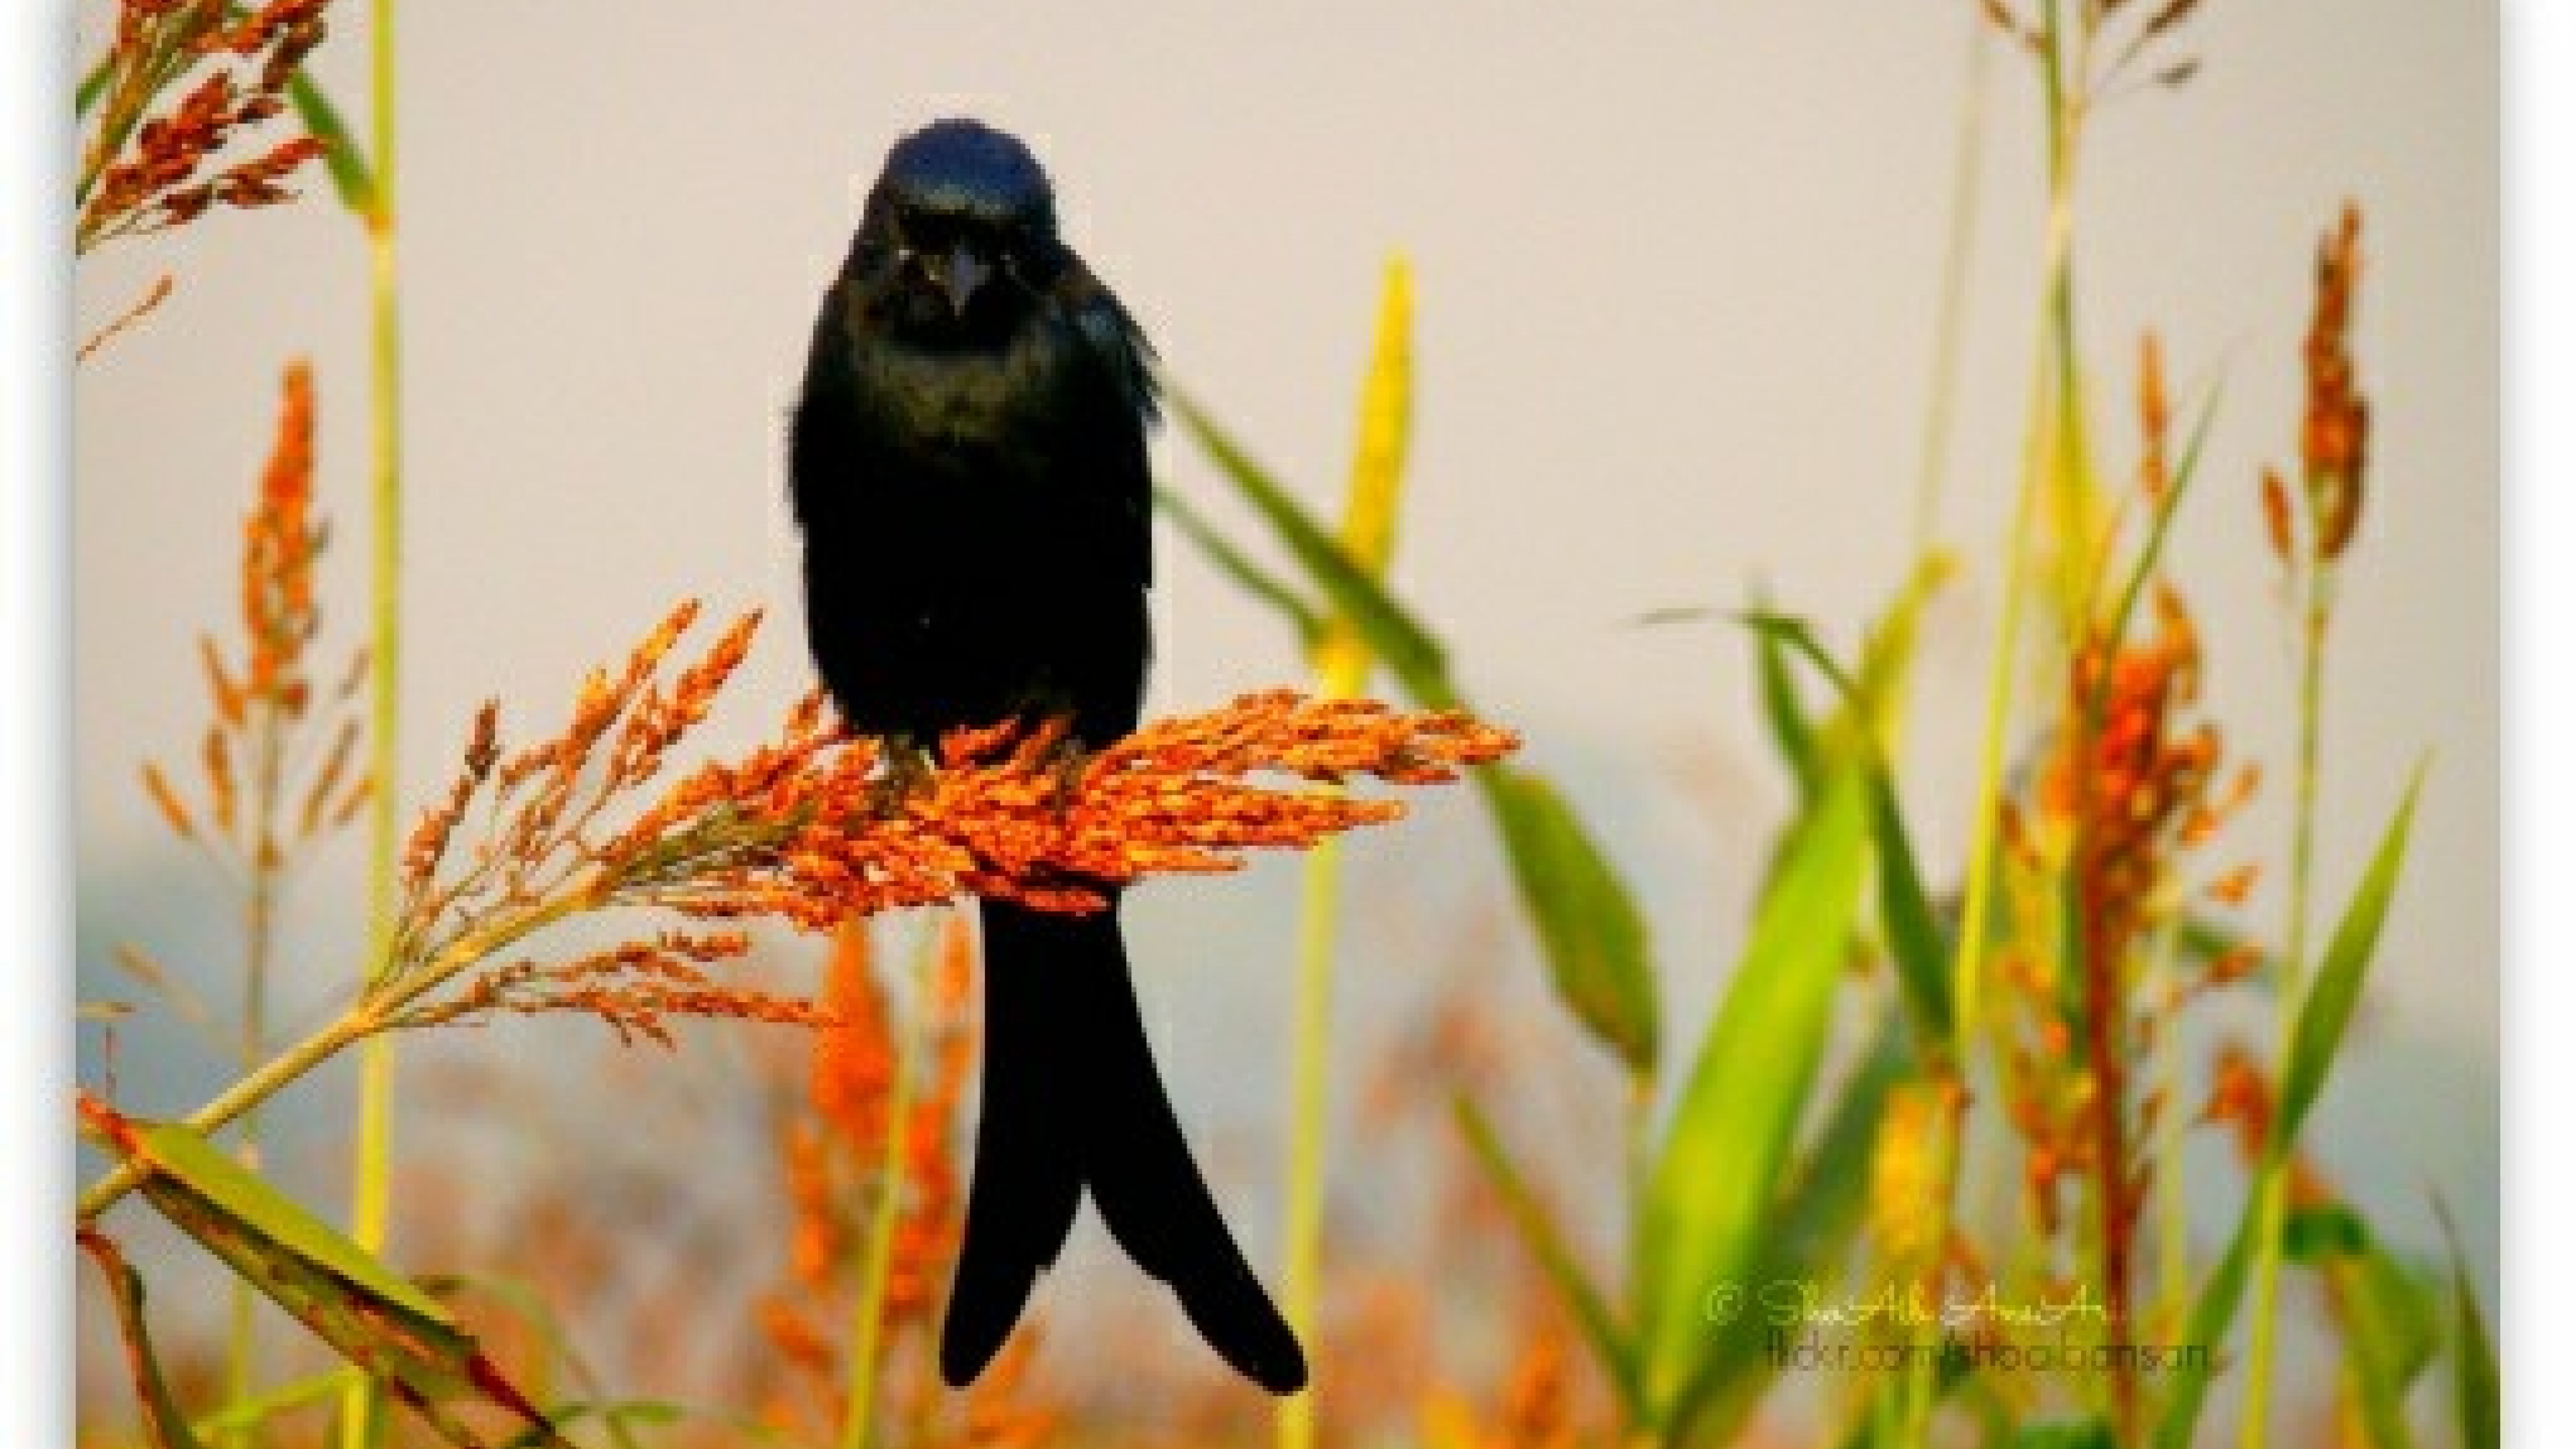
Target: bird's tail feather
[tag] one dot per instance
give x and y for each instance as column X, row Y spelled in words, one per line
column 1069, row 1071
column 1028, row 1174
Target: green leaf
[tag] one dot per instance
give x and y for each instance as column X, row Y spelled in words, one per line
column 2211, row 1315
column 375, row 1318
column 1792, row 733
column 259, row 1408
column 1538, row 1230
column 1237, row 565
column 184, row 1161
column 2318, row 1036
column 1811, row 1225
column 351, row 176
column 164, row 1426
column 2388, row 1319
column 528, row 1305
column 1709, row 1197
column 1392, row 633
column 93, row 84
column 2321, row 1231
column 661, row 1413
column 2477, row 1388
column 2088, row 1434
column 2314, row 1041
column 1914, row 935
column 1587, row 923
column 2391, row 1325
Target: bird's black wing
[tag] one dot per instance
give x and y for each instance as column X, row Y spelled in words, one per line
column 1121, row 367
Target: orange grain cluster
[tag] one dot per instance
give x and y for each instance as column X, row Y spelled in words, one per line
column 145, row 172
column 633, row 988
column 2242, row 1100
column 2103, row 28
column 2134, row 783
column 834, row 1161
column 856, row 1057
column 2334, row 430
column 263, row 699
column 816, row 827
column 2147, row 784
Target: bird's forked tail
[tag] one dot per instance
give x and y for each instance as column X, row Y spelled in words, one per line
column 1072, row 1099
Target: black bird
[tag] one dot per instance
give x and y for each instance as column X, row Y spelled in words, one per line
column 968, row 469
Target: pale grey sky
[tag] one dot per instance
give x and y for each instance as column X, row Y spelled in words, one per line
column 1676, row 270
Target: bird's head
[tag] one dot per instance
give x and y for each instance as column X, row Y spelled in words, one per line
column 958, row 241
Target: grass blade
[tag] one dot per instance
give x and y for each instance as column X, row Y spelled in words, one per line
column 2477, row 1388
column 1239, row 566
column 164, row 1426
column 2390, row 1319
column 2211, row 1314
column 1709, row 1198
column 374, row 1317
column 2340, row 975
column 1914, row 936
column 351, row 176
column 1402, row 643
column 1601, row 1329
column 1811, row 1224
column 2318, row 1035
column 1793, row 734
column 257, row 1410
column 1588, row 924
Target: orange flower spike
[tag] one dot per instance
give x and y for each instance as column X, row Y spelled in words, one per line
column 279, row 545
column 2334, row 435
column 166, row 800
column 2155, row 477
column 853, row 1071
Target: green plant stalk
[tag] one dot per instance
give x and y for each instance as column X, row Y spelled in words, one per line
column 1342, row 661
column 375, row 1010
column 2316, row 599
column 1947, row 329
column 2054, row 362
column 259, row 932
column 1310, row 1103
column 2173, row 1233
column 876, row 1269
column 371, row 1188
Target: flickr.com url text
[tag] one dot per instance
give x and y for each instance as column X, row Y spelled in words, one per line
column 1813, row 1353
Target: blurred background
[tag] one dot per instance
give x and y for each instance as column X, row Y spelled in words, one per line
column 1678, row 271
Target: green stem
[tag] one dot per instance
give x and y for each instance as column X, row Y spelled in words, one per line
column 380, row 1007
column 2047, row 424
column 371, row 1190
column 876, row 1269
column 244, row 1094
column 1947, row 329
column 2173, row 1277
column 2271, row 1186
column 259, row 930
column 1310, row 1103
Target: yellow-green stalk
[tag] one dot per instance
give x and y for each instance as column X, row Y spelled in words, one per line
column 259, row 930
column 2315, row 581
column 1342, row 661
column 2051, row 441
column 876, row 1268
column 1947, row 331
column 371, row 1187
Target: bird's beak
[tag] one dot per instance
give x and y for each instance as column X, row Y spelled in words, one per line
column 963, row 273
